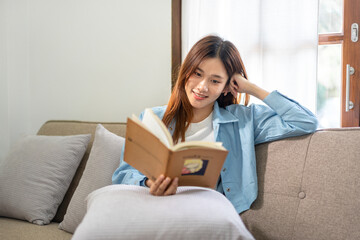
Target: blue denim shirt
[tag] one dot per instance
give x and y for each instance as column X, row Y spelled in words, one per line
column 240, row 128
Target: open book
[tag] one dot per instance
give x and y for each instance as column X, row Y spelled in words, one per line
column 149, row 148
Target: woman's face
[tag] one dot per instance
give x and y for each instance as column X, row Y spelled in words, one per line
column 205, row 85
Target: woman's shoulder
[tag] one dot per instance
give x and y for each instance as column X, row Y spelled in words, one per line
column 159, row 110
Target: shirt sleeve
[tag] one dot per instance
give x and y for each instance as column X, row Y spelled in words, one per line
column 282, row 118
column 126, row 174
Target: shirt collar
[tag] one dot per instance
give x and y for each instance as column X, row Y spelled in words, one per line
column 221, row 115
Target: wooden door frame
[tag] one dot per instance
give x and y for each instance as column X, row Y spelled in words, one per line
column 175, row 40
column 351, row 15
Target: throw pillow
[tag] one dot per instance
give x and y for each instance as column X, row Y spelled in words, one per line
column 131, row 212
column 36, row 174
column 103, row 160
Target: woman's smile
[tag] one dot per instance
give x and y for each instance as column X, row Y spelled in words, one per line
column 199, row 96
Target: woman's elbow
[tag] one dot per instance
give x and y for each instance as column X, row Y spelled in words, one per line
column 118, row 175
column 311, row 124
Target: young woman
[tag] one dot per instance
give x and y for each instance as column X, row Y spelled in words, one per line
column 204, row 105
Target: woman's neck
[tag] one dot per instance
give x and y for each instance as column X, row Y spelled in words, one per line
column 201, row 114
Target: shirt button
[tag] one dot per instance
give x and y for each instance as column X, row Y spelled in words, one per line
column 228, row 189
column 224, row 169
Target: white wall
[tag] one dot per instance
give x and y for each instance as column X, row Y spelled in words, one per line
column 86, row 60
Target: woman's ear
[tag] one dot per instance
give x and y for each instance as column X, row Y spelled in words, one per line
column 226, row 89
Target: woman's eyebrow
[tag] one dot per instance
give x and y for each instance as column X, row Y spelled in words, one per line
column 217, row 76
column 213, row 75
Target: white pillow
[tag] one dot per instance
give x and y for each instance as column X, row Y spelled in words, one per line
column 131, row 212
column 36, row 174
column 103, row 160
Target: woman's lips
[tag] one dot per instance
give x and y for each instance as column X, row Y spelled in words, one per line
column 198, row 96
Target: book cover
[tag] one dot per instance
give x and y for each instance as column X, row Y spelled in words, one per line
column 149, row 150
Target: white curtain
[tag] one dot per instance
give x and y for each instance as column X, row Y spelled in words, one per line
column 277, row 40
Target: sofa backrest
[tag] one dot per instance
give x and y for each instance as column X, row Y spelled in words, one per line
column 309, row 187
column 63, row 128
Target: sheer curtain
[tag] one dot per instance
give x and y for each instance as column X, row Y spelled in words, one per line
column 277, row 40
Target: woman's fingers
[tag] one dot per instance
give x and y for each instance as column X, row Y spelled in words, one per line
column 154, row 187
column 233, row 92
column 233, row 84
column 162, row 187
column 233, row 89
column 149, row 183
column 171, row 190
column 239, row 83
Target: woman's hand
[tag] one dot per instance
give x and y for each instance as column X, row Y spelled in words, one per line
column 239, row 84
column 162, row 186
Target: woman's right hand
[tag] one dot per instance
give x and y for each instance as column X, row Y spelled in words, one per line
column 162, row 186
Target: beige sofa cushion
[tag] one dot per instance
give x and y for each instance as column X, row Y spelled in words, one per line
column 331, row 182
column 279, row 166
column 103, row 160
column 308, row 187
column 12, row 229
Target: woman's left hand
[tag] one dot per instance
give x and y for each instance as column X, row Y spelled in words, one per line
column 239, row 84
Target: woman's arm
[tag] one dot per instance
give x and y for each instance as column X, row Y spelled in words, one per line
column 283, row 117
column 125, row 174
column 240, row 84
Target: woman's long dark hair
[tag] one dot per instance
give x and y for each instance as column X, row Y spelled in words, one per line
column 179, row 107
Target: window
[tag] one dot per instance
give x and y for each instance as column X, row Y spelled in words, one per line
column 337, row 50
column 330, row 23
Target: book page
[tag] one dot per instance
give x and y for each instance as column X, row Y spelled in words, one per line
column 194, row 144
column 157, row 127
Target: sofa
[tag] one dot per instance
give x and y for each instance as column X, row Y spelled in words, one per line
column 309, row 187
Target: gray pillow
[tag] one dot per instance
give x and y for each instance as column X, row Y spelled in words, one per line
column 36, row 174
column 103, row 160
column 131, row 212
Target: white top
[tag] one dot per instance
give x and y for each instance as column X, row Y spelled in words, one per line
column 201, row 131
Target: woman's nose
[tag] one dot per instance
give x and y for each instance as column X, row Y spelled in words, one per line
column 202, row 86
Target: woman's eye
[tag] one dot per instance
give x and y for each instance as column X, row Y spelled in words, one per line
column 197, row 74
column 214, row 81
